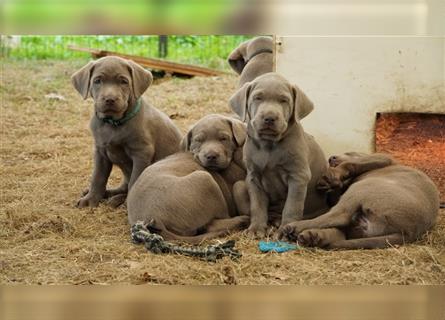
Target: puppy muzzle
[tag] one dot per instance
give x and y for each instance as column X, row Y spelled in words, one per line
column 213, row 161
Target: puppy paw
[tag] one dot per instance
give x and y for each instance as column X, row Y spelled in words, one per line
column 108, row 193
column 310, row 238
column 243, row 221
column 117, row 200
column 289, row 232
column 257, row 232
column 333, row 179
column 88, row 201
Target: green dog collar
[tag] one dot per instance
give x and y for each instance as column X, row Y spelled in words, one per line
column 127, row 117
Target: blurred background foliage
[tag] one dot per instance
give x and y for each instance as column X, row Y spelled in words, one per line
column 209, row 51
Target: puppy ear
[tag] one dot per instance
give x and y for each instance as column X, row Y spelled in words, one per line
column 81, row 79
column 302, row 105
column 238, row 101
column 185, row 142
column 236, row 58
column 239, row 130
column 140, row 77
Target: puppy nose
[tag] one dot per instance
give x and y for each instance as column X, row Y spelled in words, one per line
column 269, row 120
column 332, row 159
column 110, row 101
column 212, row 156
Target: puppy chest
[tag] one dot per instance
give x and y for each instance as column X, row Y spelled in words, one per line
column 115, row 153
column 275, row 184
column 265, row 161
column 118, row 155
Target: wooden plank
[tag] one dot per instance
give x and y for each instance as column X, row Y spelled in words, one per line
column 157, row 64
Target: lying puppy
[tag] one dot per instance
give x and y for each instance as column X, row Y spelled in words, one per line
column 189, row 196
column 252, row 58
column 128, row 132
column 283, row 162
column 384, row 204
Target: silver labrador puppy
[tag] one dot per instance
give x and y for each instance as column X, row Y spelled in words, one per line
column 382, row 204
column 283, row 162
column 252, row 58
column 127, row 130
column 189, row 196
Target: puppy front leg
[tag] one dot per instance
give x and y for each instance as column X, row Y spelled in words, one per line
column 259, row 202
column 294, row 205
column 241, row 198
column 356, row 167
column 139, row 165
column 101, row 172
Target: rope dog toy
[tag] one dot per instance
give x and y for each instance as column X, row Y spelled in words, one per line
column 156, row 244
column 278, row 246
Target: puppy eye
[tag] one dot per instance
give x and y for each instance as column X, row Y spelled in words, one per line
column 284, row 100
column 223, row 139
column 123, row 81
column 97, row 81
column 257, row 98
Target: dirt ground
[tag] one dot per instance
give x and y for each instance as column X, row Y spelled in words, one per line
column 416, row 140
column 46, row 160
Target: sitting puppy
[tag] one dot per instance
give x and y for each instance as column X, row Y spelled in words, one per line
column 252, row 58
column 384, row 204
column 127, row 130
column 283, row 162
column 189, row 196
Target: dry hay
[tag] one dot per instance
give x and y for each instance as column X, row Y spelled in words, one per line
column 46, row 151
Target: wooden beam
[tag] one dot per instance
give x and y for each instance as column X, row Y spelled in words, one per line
column 157, row 64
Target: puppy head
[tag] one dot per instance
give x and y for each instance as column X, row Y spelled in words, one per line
column 114, row 83
column 214, row 139
column 335, row 160
column 270, row 103
column 238, row 57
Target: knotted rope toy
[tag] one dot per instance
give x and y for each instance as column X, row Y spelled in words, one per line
column 156, row 244
column 278, row 246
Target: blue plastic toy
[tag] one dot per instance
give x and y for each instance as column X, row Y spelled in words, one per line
column 276, row 246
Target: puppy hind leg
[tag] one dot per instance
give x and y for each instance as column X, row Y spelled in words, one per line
column 167, row 235
column 380, row 242
column 337, row 217
column 157, row 226
column 123, row 188
column 217, row 228
column 332, row 219
column 228, row 225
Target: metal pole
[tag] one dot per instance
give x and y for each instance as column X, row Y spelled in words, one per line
column 163, row 46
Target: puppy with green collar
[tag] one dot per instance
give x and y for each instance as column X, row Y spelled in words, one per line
column 127, row 130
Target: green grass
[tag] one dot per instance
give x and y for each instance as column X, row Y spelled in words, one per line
column 210, row 51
